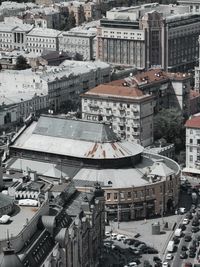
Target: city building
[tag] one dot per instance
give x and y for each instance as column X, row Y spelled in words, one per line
column 72, row 78
column 194, row 5
column 194, row 102
column 46, row 17
column 35, row 90
column 137, row 184
column 92, row 11
column 171, row 90
column 39, row 40
column 66, row 227
column 13, row 36
column 150, row 35
column 126, row 109
column 9, row 8
column 80, row 40
column 193, row 145
column 22, row 92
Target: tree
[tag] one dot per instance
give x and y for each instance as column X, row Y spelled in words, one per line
column 169, row 124
column 21, row 63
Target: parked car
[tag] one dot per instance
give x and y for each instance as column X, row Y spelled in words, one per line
column 184, row 248
column 155, row 258
column 195, row 222
column 189, row 216
column 188, row 264
column 185, row 221
column 188, row 238
column 183, row 255
column 169, row 257
column 195, row 229
column 176, row 240
column 4, row 219
column 165, row 264
column 192, row 254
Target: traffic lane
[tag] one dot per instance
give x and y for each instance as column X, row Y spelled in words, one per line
column 177, row 261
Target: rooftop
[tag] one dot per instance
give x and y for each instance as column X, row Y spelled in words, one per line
column 116, row 91
column 18, row 222
column 75, row 138
column 193, row 122
column 41, row 32
column 127, row 177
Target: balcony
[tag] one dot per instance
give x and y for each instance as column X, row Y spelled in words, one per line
column 122, row 123
column 135, row 133
column 122, row 108
column 93, row 105
column 135, row 110
column 135, row 125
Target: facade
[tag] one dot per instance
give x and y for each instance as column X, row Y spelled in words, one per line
column 192, row 145
column 39, row 40
column 171, row 90
column 80, row 40
column 13, row 36
column 150, row 35
column 126, row 109
column 194, row 102
column 72, row 78
column 92, row 11
column 137, row 184
column 194, row 5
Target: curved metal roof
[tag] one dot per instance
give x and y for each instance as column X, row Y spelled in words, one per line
column 75, row 138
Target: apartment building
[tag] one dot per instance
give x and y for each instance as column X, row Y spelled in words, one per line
column 72, row 78
column 169, row 89
column 150, row 35
column 193, row 145
column 39, row 40
column 126, row 109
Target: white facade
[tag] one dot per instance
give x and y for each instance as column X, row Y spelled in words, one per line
column 78, row 42
column 130, row 118
column 39, row 40
column 193, row 149
column 13, row 36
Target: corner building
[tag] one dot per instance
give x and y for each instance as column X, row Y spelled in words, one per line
column 136, row 184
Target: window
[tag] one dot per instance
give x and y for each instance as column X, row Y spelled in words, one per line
column 191, row 131
column 129, row 195
column 161, row 189
column 108, row 196
column 191, row 149
column 191, row 141
column 115, row 196
column 191, row 158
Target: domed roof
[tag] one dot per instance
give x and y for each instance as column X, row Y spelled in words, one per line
column 10, row 259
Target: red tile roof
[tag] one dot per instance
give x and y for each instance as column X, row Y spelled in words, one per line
column 194, row 122
column 116, row 91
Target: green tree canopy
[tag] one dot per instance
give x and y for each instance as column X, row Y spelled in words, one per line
column 169, row 124
column 21, row 63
